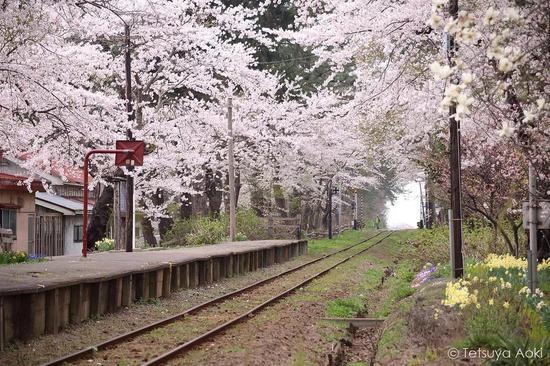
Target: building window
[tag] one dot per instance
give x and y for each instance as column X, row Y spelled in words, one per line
column 8, row 219
column 77, row 233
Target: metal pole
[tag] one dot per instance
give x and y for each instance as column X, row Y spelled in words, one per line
column 270, row 215
column 429, row 206
column 339, row 211
column 454, row 161
column 329, row 209
column 231, row 162
column 130, row 113
column 451, row 243
column 532, row 253
column 355, row 209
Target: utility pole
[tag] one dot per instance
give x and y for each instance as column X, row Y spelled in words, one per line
column 329, row 208
column 355, row 209
column 339, row 211
column 430, row 208
column 532, row 253
column 231, row 172
column 270, row 215
column 422, row 207
column 130, row 113
column 454, row 127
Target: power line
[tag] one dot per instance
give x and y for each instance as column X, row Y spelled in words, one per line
column 287, row 60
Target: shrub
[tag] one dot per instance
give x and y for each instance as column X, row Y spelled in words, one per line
column 200, row 230
column 249, row 224
column 105, row 245
column 433, row 245
column 205, row 230
column 241, row 237
column 196, row 230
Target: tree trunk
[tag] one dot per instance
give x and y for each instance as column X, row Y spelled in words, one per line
column 543, row 244
column 496, row 225
column 515, row 231
column 308, row 218
column 213, row 193
column 226, row 192
column 280, row 200
column 165, row 223
column 238, row 186
column 506, row 238
column 186, row 207
column 258, row 201
column 147, row 228
column 148, row 232
column 495, row 238
column 103, row 208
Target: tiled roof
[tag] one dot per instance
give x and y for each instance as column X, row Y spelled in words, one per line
column 10, row 181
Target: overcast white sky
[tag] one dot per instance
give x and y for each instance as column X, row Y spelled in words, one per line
column 405, row 213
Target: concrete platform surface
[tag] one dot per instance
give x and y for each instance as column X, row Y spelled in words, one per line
column 68, row 270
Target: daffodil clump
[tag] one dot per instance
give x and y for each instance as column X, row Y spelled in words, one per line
column 505, row 261
column 544, row 265
column 13, row 257
column 494, row 303
column 458, row 294
column 498, row 282
column 105, row 244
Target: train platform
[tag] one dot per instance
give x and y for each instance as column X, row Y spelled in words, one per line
column 44, row 297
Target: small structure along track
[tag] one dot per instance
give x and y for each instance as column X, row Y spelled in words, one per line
column 158, row 342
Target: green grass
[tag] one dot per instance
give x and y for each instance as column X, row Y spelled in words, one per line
column 390, row 342
column 235, row 349
column 347, row 307
column 300, row 359
column 348, row 237
column 399, row 287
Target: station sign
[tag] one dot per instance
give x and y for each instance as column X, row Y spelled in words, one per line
column 134, row 158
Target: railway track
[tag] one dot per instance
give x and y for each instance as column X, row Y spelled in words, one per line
column 195, row 325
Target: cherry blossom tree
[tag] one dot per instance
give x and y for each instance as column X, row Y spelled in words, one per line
column 62, row 93
column 403, row 90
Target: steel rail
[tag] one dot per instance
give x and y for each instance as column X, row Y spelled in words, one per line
column 136, row 332
column 195, row 341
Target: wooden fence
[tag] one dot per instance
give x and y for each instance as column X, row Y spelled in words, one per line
column 292, row 227
column 48, row 236
column 284, row 227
